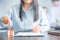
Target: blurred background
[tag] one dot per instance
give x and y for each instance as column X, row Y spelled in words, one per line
column 5, row 5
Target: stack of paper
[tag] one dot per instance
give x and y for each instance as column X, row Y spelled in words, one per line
column 29, row 34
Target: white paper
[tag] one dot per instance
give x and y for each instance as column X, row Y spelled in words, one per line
column 28, row 34
column 3, row 30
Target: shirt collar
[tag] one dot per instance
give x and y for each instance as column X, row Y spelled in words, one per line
column 28, row 10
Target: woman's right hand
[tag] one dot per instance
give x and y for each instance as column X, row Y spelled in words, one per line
column 6, row 20
column 37, row 29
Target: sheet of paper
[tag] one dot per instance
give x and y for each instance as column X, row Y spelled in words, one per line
column 28, row 34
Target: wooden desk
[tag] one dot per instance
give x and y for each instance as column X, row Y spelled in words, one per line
column 3, row 36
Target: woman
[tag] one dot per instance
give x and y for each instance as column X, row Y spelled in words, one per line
column 28, row 16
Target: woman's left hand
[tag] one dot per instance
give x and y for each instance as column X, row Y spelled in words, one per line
column 36, row 29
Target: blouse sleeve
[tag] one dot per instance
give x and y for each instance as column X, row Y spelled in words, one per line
column 43, row 21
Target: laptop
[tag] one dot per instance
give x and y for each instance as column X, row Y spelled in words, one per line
column 55, row 31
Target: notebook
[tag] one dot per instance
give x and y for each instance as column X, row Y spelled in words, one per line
column 29, row 34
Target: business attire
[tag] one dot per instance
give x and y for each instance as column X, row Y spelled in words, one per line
column 28, row 19
column 48, row 14
column 55, row 11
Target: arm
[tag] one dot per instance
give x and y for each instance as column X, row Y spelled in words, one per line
column 16, row 22
column 44, row 23
column 7, row 19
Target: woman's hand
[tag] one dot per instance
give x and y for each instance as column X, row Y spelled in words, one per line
column 6, row 20
column 37, row 29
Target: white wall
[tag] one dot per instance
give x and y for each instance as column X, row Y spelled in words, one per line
column 5, row 4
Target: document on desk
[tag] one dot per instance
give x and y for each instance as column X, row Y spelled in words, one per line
column 29, row 34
